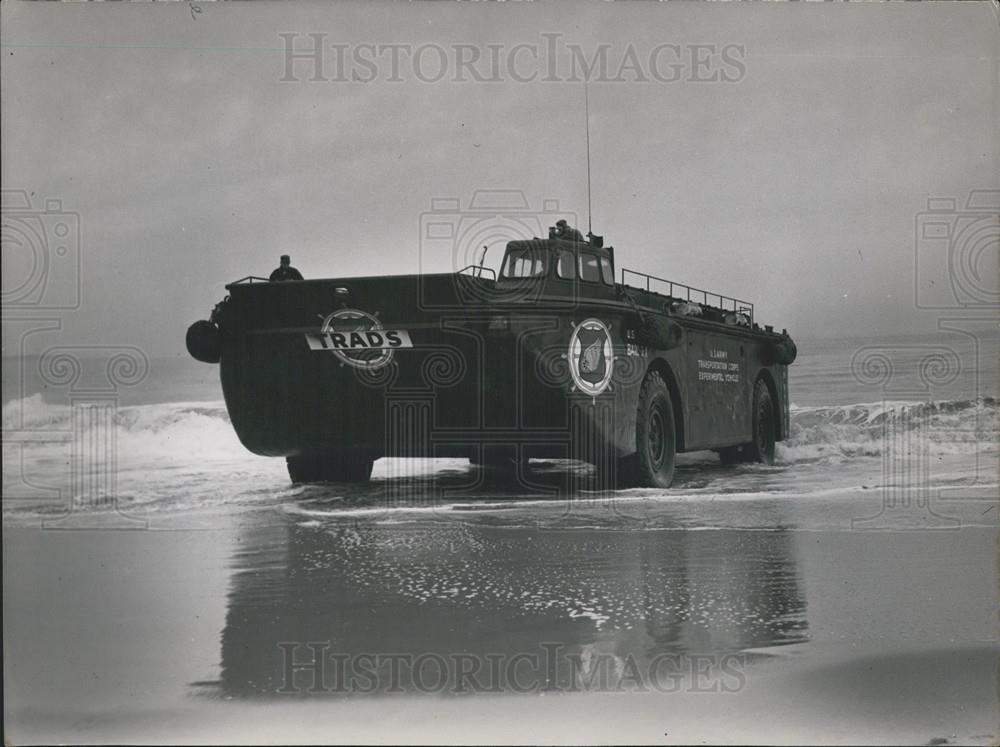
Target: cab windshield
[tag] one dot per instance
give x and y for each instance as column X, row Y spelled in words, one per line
column 523, row 263
column 594, row 268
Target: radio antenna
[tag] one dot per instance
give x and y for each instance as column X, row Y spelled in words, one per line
column 586, row 105
column 482, row 259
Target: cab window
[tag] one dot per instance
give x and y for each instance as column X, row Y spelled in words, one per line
column 523, row 263
column 589, row 268
column 566, row 266
column 607, row 274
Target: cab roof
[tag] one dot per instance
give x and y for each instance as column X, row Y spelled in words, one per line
column 561, row 245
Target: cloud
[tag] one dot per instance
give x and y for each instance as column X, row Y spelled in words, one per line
column 190, row 162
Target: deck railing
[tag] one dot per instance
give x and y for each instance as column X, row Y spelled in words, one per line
column 689, row 293
column 477, row 271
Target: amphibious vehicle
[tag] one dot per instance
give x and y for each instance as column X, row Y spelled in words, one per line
column 559, row 355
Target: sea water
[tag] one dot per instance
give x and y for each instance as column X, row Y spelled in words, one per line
column 910, row 414
column 762, row 578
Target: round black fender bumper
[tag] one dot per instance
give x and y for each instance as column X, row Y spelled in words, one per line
column 785, row 351
column 204, row 342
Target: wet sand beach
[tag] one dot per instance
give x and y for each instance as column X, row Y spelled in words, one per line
column 264, row 263
column 845, row 594
column 619, row 619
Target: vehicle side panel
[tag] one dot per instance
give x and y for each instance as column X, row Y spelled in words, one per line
column 481, row 371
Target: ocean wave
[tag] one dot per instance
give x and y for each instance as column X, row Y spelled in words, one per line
column 34, row 414
column 169, row 431
column 202, row 429
column 870, row 429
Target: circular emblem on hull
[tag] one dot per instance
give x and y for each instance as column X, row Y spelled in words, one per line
column 591, row 360
column 353, row 324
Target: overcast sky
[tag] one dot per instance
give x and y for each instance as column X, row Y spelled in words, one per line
column 795, row 182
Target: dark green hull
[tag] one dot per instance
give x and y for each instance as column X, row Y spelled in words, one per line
column 489, row 365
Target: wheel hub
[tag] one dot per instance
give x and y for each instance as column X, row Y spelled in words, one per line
column 657, row 441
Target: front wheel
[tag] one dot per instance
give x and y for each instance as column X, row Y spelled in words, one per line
column 655, row 435
column 329, row 467
column 761, row 449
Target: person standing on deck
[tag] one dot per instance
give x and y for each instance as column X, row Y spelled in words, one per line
column 565, row 232
column 285, row 271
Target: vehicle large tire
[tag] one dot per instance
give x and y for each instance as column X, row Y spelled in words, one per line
column 331, row 467
column 655, row 435
column 765, row 426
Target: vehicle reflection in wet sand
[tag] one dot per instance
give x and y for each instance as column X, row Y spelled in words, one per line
column 517, row 608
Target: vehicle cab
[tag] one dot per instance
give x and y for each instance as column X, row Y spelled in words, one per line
column 558, row 267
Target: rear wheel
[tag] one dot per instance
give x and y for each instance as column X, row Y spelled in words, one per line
column 330, row 467
column 655, row 435
column 761, row 449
